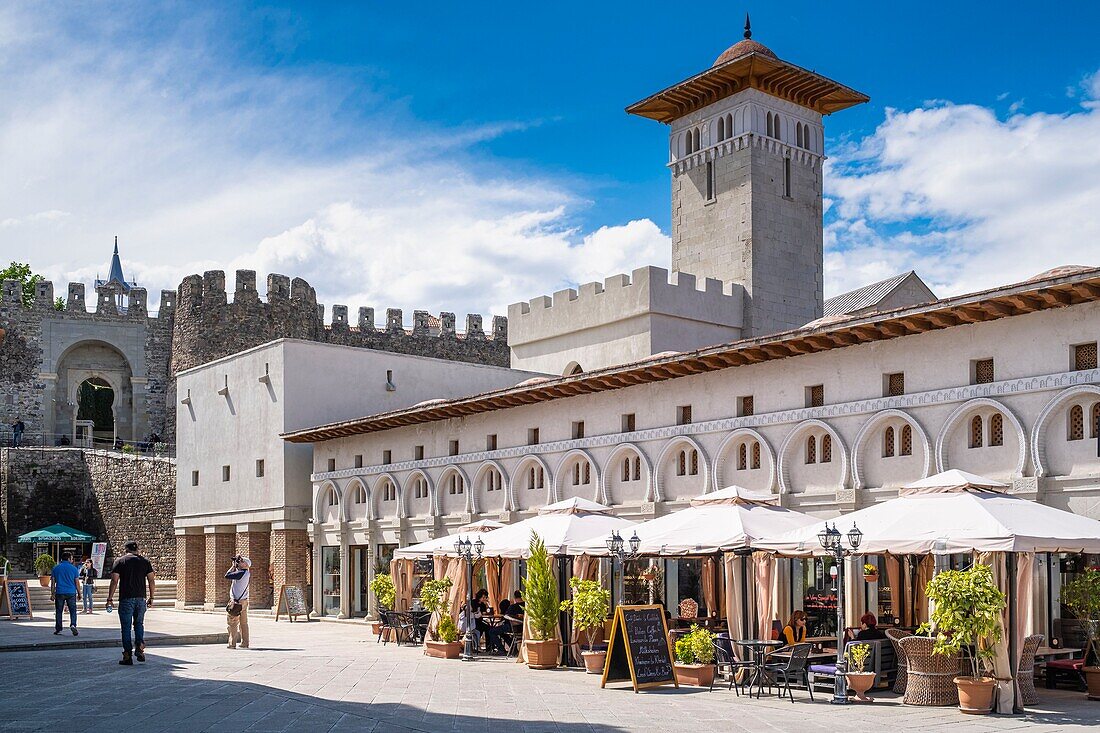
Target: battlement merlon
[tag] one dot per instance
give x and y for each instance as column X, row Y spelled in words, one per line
column 647, row 291
column 44, row 300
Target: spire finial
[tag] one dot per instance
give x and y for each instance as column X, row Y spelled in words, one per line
column 116, row 244
column 748, row 26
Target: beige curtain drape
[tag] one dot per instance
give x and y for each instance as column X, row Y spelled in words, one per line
column 710, row 592
column 893, row 580
column 1025, row 609
column 456, row 571
column 1002, row 669
column 439, row 566
column 492, row 582
column 584, row 567
column 925, row 570
column 763, row 564
column 401, row 571
column 734, row 599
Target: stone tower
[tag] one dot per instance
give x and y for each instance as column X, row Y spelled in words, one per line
column 746, row 148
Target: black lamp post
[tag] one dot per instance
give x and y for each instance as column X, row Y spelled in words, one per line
column 615, row 547
column 466, row 550
column 833, row 542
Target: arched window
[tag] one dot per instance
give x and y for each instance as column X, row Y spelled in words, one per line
column 420, row 489
column 454, row 484
column 742, row 456
column 694, row 463
column 1094, row 419
column 729, row 126
column 536, row 478
column 906, row 440
column 826, row 448
column 888, row 442
column 681, row 463
column 695, row 139
column 389, row 491
column 626, row 468
column 330, row 498
column 798, row 134
column 778, row 128
column 756, row 454
column 976, row 431
column 587, row 473
column 721, row 129
column 1076, row 423
column 996, row 430
column 360, row 496
column 637, row 468
column 493, row 480
column 811, row 449
column 576, row 474
column 771, row 126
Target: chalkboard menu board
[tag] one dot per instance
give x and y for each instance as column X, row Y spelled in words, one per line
column 292, row 602
column 639, row 649
column 14, row 600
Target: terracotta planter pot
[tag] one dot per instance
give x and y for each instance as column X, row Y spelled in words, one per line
column 376, row 627
column 443, row 649
column 44, row 581
column 975, row 694
column 542, row 654
column 594, row 662
column 1092, row 677
column 694, row 675
column 871, row 578
column 860, row 682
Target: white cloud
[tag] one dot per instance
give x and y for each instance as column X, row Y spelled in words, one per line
column 968, row 199
column 200, row 161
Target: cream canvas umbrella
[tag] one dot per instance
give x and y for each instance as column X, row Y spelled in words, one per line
column 440, row 545
column 952, row 512
column 730, row 519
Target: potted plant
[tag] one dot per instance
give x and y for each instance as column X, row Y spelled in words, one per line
column 442, row 641
column 43, row 565
column 385, row 593
column 542, row 608
column 1082, row 596
column 966, row 620
column 859, row 680
column 695, row 658
column 870, row 572
column 590, row 605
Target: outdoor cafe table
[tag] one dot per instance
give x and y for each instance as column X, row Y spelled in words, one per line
column 759, row 649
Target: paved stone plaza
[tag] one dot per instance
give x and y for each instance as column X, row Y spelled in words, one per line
column 334, row 677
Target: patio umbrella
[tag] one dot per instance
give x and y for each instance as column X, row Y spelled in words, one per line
column 730, row 519
column 953, row 512
column 440, row 545
column 57, row 533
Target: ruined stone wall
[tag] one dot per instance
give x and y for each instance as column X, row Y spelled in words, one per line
column 114, row 496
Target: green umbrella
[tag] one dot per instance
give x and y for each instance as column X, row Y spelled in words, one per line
column 56, row 533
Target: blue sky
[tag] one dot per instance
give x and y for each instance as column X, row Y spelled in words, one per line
column 460, row 157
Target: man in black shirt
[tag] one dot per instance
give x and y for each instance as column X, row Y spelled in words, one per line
column 130, row 575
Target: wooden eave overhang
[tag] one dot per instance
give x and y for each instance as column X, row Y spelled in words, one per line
column 753, row 70
column 989, row 305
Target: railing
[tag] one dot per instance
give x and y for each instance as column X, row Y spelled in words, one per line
column 150, row 447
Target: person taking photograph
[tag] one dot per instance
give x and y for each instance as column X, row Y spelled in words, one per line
column 236, row 611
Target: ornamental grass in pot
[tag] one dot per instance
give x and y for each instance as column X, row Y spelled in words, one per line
column 966, row 621
column 859, row 680
column 542, row 608
column 694, row 664
column 1082, row 597
column 590, row 605
column 43, row 565
column 442, row 641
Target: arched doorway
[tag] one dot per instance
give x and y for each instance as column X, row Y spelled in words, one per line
column 96, row 404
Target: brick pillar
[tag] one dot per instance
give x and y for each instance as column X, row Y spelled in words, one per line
column 255, row 544
column 290, row 558
column 220, row 548
column 190, row 569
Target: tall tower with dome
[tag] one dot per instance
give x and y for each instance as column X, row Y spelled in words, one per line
column 746, row 148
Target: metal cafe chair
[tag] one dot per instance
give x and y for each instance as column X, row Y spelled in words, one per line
column 794, row 668
column 725, row 660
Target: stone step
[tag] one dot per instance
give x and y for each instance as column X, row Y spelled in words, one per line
column 40, row 597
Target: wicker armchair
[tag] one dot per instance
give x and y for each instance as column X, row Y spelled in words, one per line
column 900, row 679
column 1025, row 674
column 930, row 676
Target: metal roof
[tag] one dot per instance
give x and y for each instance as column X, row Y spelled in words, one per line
column 865, row 297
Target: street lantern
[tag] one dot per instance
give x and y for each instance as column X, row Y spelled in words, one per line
column 465, row 550
column 618, row 556
column 832, row 541
column 635, row 542
column 615, row 543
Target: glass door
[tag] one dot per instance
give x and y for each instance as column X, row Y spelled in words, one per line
column 330, row 581
column 360, row 564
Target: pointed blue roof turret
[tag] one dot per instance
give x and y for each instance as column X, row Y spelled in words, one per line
column 115, row 275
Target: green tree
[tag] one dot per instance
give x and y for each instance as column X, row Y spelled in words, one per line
column 541, row 592
column 59, row 303
column 22, row 273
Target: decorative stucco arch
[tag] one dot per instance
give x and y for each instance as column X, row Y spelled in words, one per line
column 785, row 449
column 1038, row 432
column 441, row 486
column 720, row 457
column 868, row 429
column 374, row 498
column 505, row 484
column 320, row 497
column 969, row 406
column 521, row 469
column 609, row 468
column 404, row 497
column 349, row 496
column 560, row 474
column 657, row 493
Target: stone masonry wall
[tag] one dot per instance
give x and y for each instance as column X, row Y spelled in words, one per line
column 114, row 496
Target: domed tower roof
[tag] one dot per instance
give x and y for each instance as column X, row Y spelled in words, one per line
column 744, row 47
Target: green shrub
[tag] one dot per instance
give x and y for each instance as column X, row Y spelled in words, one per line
column 43, row 564
column 590, row 605
column 447, row 631
column 383, row 588
column 857, row 655
column 433, row 596
column 967, row 617
column 541, row 592
column 695, row 647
